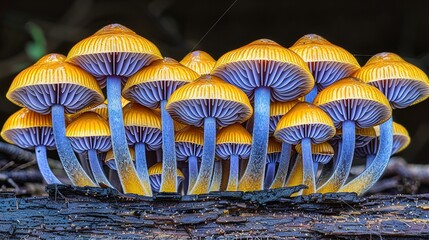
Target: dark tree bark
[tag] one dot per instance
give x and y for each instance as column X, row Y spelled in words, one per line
column 71, row 212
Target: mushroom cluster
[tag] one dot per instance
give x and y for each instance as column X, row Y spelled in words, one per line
column 261, row 116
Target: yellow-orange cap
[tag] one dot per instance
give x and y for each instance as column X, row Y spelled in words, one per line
column 138, row 115
column 88, row 124
column 233, row 134
column 199, row 61
column 190, row 134
column 156, row 169
column 274, row 146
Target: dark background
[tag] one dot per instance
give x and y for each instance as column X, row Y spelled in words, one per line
column 30, row 29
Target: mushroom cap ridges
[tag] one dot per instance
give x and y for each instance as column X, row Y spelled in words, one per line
column 156, row 169
column 199, row 61
column 209, row 96
column 190, row 134
column 137, row 115
column 351, row 99
column 88, row 124
column 234, row 134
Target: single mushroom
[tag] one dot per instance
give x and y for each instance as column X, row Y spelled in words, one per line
column 208, row 102
column 266, row 72
column 113, row 54
column 199, row 61
column 322, row 154
column 155, row 175
column 307, row 124
column 90, row 133
column 152, row 87
column 327, row 62
column 403, row 84
column 273, row 158
column 233, row 143
column 350, row 103
column 277, row 111
column 189, row 147
column 31, row 130
column 143, row 131
column 54, row 86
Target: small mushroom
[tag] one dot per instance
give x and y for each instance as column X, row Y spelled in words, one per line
column 327, row 62
column 90, row 133
column 266, row 72
column 113, row 54
column 233, row 143
column 54, row 86
column 30, row 130
column 155, row 173
column 189, row 147
column 306, row 124
column 273, row 158
column 322, row 154
column 152, row 87
column 211, row 102
column 199, row 61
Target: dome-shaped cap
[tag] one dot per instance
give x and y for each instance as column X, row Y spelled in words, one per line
column 155, row 173
column 401, row 138
column 209, row 96
column 278, row 110
column 233, row 140
column 52, row 81
column 199, row 61
column 100, row 109
column 157, row 82
column 113, row 50
column 89, row 131
column 264, row 63
column 28, row 129
column 189, row 142
column 322, row 152
column 401, row 82
column 351, row 99
column 109, row 160
column 305, row 120
column 273, row 151
column 327, row 62
column 142, row 125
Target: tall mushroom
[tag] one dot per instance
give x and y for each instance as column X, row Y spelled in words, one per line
column 189, row 147
column 208, row 102
column 327, row 62
column 155, row 173
column 305, row 124
column 233, row 143
column 54, row 86
column 90, row 133
column 266, row 72
column 30, row 130
column 152, row 87
column 403, row 84
column 113, row 54
column 199, row 61
column 350, row 103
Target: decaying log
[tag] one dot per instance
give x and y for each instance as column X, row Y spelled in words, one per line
column 73, row 212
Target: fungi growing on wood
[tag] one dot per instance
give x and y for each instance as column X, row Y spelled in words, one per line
column 155, row 175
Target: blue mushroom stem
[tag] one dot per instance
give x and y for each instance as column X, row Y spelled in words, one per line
column 233, row 173
column 308, row 176
column 43, row 164
column 97, row 169
column 311, row 95
column 344, row 163
column 315, row 169
column 373, row 172
column 369, row 160
column 141, row 164
column 127, row 172
column 169, row 164
column 217, row 177
column 71, row 165
column 269, row 176
column 329, row 168
column 193, row 171
column 202, row 185
column 253, row 178
column 282, row 171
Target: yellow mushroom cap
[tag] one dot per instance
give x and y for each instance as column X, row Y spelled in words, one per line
column 209, row 96
column 351, row 99
column 401, row 138
column 178, row 126
column 362, row 136
column 305, row 120
column 199, row 61
column 322, row 55
column 233, row 134
column 322, row 152
column 27, row 129
column 113, row 50
column 156, row 170
column 401, row 82
column 265, row 63
column 52, row 81
column 190, row 134
column 157, row 82
column 278, row 110
column 88, row 124
column 100, row 109
column 274, row 146
column 138, row 115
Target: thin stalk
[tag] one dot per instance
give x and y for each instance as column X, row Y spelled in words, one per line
column 217, row 177
column 97, row 169
column 43, row 164
column 269, row 176
column 169, row 164
column 233, row 173
column 282, row 171
column 193, row 171
column 311, row 95
column 308, row 170
column 141, row 165
column 329, row 168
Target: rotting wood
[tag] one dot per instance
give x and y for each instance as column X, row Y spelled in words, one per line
column 73, row 212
